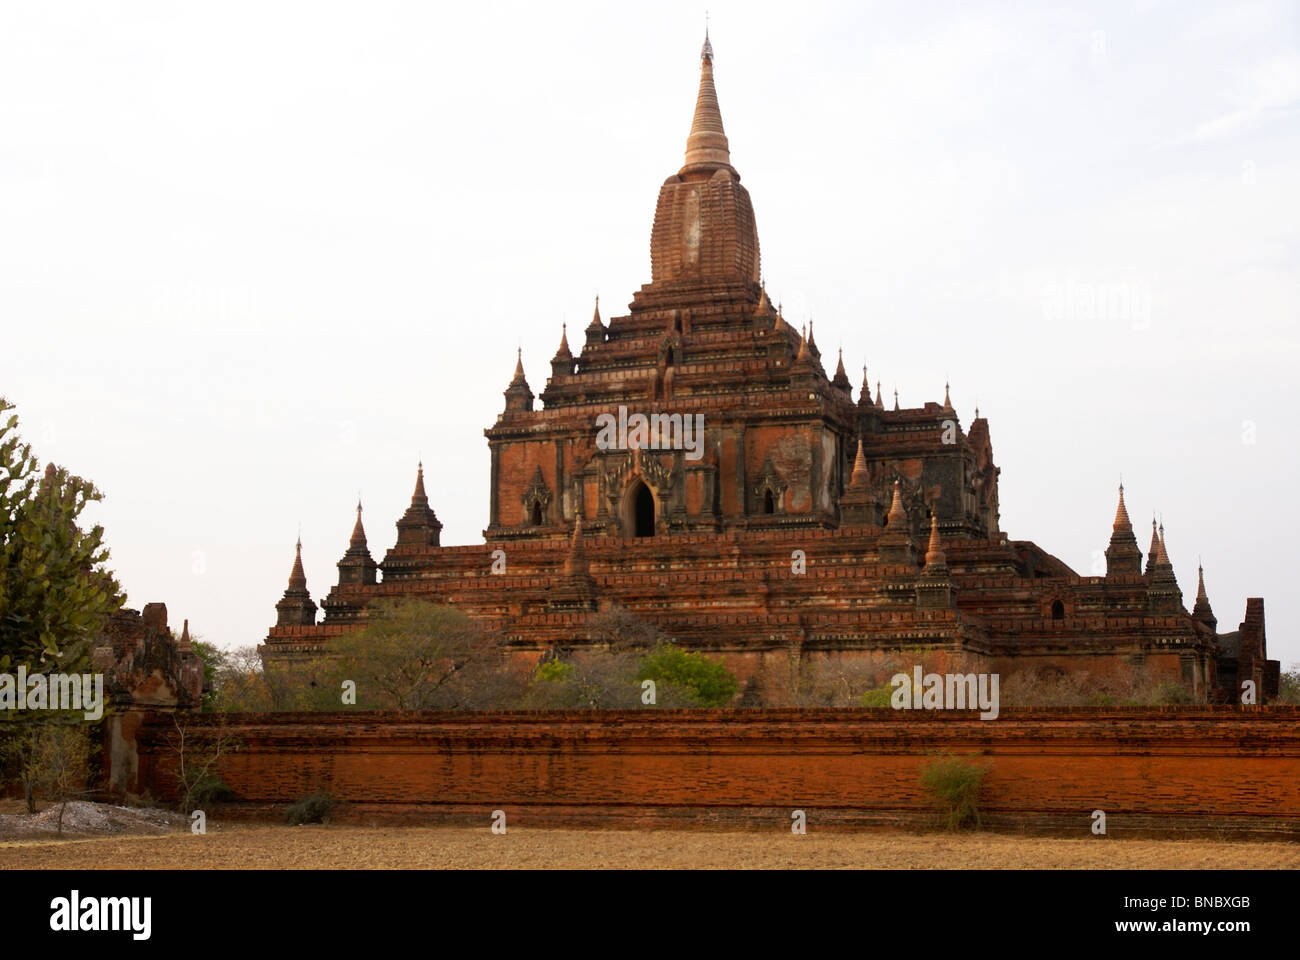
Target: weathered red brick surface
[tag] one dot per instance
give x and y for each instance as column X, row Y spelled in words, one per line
column 1203, row 768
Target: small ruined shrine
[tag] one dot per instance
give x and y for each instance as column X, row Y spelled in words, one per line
column 694, row 463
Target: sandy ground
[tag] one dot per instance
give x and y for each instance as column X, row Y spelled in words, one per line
column 346, row 847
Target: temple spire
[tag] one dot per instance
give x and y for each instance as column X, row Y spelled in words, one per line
column 1154, row 553
column 596, row 330
column 947, row 401
column 357, row 565
column 934, row 590
column 1122, row 555
column 1201, row 611
column 1122, row 521
column 803, row 356
column 358, row 531
column 707, row 143
column 519, row 396
column 419, row 496
column 934, row 555
column 880, row 404
column 1162, row 592
column 895, row 544
column 419, row 525
column 297, row 578
column 841, row 379
column 897, row 518
column 296, row 608
column 562, row 362
column 857, row 503
column 859, row 476
column 184, row 645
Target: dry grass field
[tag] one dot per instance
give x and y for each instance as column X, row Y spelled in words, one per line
column 346, row 847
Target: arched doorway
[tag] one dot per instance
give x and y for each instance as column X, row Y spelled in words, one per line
column 769, row 505
column 640, row 511
column 537, row 514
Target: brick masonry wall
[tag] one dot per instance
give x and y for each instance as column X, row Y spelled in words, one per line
column 1157, row 770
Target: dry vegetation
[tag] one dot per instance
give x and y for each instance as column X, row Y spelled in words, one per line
column 347, row 847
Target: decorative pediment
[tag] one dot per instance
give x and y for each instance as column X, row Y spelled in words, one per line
column 671, row 344
column 647, row 465
column 769, row 482
column 655, row 473
column 536, row 497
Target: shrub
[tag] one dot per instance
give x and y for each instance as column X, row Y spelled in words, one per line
column 710, row 683
column 878, row 697
column 954, row 785
column 313, row 808
column 554, row 671
column 209, row 789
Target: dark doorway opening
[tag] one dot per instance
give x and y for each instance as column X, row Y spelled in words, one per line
column 644, row 507
column 537, row 513
column 1058, row 610
column 769, row 506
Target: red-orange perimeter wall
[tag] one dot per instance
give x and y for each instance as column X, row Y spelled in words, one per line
column 1151, row 769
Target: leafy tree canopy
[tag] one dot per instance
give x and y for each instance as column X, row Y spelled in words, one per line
column 55, row 592
column 709, row 681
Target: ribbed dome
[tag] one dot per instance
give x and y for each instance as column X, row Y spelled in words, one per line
column 704, row 228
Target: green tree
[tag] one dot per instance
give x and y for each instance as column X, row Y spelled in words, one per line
column 214, row 661
column 55, row 592
column 55, row 598
column 709, row 682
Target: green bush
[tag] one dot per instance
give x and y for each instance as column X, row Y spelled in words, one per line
column 954, row 785
column 313, row 808
column 554, row 671
column 709, row 682
column 879, row 697
column 208, row 790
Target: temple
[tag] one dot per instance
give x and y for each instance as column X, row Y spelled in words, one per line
column 695, row 464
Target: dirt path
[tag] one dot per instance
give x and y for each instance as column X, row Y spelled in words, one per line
column 344, row 847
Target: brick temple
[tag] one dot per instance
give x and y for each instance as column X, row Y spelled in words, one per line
column 693, row 463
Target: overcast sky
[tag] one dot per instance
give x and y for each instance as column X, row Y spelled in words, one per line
column 257, row 258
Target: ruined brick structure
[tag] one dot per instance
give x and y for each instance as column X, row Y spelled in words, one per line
column 800, row 522
column 149, row 674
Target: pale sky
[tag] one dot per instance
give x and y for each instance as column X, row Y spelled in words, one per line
column 257, row 258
